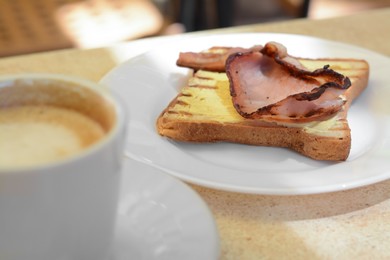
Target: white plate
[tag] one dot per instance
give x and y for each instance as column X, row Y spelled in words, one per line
column 150, row 81
column 160, row 217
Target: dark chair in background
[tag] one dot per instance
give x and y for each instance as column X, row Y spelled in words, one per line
column 205, row 14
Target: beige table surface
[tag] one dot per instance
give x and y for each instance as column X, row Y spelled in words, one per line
column 353, row 224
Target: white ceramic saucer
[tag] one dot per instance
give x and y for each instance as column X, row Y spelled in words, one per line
column 160, row 217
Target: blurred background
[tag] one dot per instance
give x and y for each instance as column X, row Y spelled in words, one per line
column 28, row 26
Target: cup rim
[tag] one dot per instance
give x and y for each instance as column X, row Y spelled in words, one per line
column 108, row 95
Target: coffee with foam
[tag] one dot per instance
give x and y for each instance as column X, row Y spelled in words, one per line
column 43, row 121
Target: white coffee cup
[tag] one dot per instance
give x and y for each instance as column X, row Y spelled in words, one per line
column 62, row 208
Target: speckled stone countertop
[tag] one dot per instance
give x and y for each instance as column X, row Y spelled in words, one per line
column 351, row 224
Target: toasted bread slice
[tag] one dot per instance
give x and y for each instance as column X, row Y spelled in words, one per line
column 203, row 112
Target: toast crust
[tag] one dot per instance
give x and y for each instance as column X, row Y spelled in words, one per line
column 314, row 146
column 330, row 143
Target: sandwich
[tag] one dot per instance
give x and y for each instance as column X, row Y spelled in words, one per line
column 263, row 96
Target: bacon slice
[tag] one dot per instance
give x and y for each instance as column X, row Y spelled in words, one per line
column 273, row 86
column 213, row 59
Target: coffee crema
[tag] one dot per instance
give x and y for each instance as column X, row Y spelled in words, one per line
column 45, row 121
column 32, row 135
